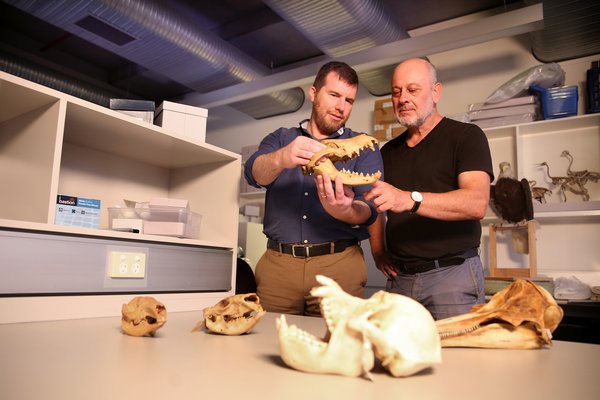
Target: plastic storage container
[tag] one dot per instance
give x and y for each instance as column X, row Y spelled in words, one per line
column 167, row 221
column 557, row 102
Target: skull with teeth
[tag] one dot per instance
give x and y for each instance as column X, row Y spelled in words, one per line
column 395, row 329
column 521, row 316
column 342, row 150
column 234, row 315
column 143, row 316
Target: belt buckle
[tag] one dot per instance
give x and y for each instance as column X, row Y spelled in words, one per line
column 306, row 250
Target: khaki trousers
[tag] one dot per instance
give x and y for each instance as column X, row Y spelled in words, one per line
column 284, row 282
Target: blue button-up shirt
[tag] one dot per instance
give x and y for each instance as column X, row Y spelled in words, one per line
column 293, row 212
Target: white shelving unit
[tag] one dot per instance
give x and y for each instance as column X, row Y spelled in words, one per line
column 568, row 232
column 52, row 143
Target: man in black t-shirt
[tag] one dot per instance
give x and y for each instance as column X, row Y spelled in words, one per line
column 436, row 191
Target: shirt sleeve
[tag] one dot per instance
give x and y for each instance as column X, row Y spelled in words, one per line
column 269, row 144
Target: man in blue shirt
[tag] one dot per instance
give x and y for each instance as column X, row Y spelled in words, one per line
column 314, row 225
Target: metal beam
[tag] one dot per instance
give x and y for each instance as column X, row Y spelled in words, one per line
column 507, row 24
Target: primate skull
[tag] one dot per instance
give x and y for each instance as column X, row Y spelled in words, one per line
column 395, row 329
column 342, row 150
column 233, row 315
column 143, row 316
column 521, row 316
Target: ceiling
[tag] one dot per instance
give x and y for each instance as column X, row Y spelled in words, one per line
column 249, row 54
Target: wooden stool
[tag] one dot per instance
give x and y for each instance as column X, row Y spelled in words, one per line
column 501, row 272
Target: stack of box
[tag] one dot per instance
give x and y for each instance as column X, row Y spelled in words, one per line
column 140, row 109
column 513, row 111
column 251, row 213
column 386, row 126
column 182, row 119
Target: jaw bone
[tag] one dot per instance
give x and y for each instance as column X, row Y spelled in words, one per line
column 392, row 328
column 342, row 150
column 521, row 316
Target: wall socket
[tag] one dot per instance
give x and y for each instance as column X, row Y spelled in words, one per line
column 126, row 264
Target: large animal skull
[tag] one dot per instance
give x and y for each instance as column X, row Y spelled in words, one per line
column 233, row 315
column 342, row 150
column 521, row 316
column 143, row 316
column 395, row 329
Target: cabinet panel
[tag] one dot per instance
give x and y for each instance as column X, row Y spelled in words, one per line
column 29, row 143
column 567, row 232
column 52, row 143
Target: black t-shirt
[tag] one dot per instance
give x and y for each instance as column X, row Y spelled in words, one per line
column 433, row 165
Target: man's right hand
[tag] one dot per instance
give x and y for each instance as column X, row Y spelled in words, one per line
column 298, row 152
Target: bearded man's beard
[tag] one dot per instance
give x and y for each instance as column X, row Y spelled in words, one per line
column 418, row 119
column 323, row 123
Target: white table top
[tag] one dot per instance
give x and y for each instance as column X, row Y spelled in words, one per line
column 91, row 359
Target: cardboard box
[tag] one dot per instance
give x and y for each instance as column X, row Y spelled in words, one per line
column 183, row 119
column 386, row 126
column 77, row 211
column 139, row 109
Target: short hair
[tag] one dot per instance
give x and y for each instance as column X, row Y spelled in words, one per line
column 346, row 73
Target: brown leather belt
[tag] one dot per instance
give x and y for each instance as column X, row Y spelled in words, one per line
column 417, row 268
column 311, row 250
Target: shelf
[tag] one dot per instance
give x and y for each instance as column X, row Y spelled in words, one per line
column 253, row 195
column 52, row 143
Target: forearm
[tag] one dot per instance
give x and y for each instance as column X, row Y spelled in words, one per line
column 356, row 214
column 377, row 236
column 266, row 168
column 460, row 204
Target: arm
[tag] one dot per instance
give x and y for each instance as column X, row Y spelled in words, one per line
column 378, row 249
column 469, row 201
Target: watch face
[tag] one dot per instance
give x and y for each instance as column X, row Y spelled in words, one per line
column 416, row 196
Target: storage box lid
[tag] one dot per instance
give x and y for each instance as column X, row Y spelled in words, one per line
column 181, row 108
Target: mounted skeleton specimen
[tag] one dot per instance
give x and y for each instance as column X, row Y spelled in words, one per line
column 342, row 150
column 574, row 181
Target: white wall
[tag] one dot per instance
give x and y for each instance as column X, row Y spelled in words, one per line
column 468, row 75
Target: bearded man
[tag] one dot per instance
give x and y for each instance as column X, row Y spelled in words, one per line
column 313, row 224
column 436, row 190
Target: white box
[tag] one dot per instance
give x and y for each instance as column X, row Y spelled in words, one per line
column 251, row 211
column 183, row 119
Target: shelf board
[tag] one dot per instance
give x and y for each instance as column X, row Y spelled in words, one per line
column 112, row 132
column 106, row 233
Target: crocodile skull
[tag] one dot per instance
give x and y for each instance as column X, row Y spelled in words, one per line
column 521, row 316
column 233, row 315
column 395, row 329
column 342, row 150
column 142, row 316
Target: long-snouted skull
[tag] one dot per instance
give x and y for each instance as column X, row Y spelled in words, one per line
column 143, row 316
column 395, row 329
column 342, row 150
column 521, row 316
column 234, row 315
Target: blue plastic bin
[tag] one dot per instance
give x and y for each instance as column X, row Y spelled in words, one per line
column 557, row 102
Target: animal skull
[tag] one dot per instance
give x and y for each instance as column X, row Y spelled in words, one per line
column 233, row 315
column 521, row 316
column 142, row 316
column 395, row 329
column 342, row 150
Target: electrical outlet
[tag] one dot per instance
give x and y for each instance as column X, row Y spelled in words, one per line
column 126, row 265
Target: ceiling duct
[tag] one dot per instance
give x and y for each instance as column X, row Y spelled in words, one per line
column 165, row 42
column 359, row 25
column 571, row 30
